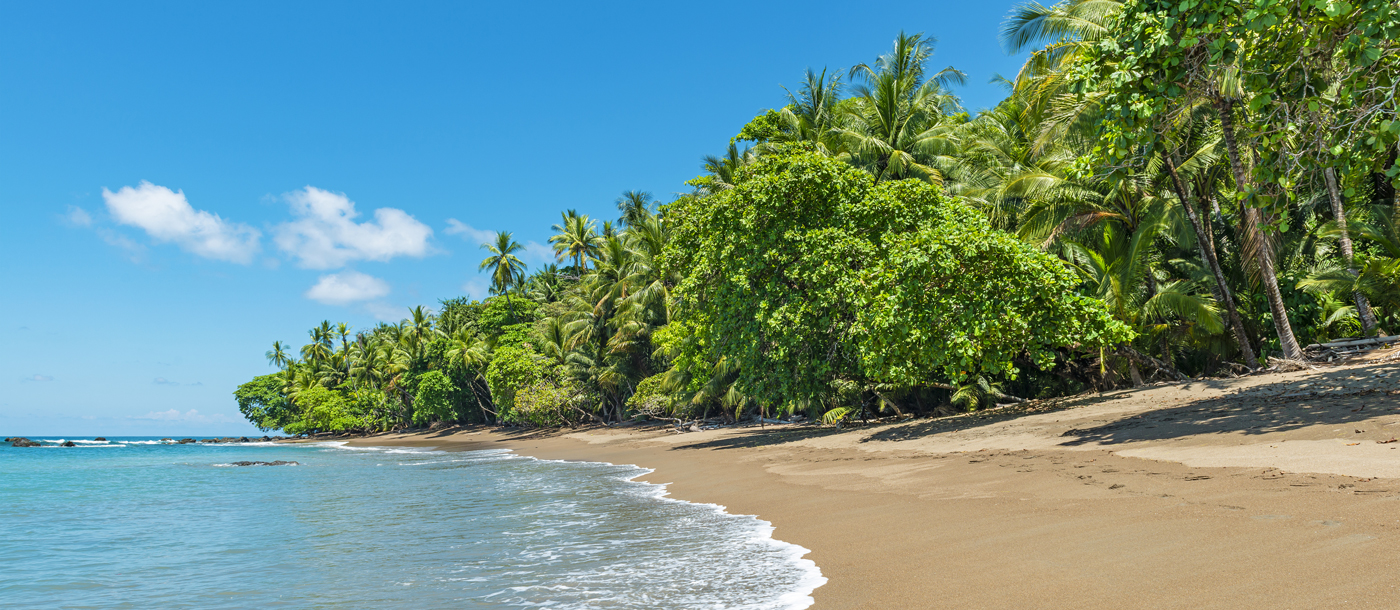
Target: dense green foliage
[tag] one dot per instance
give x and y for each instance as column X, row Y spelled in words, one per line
column 433, row 402
column 1171, row 187
column 263, row 403
column 808, row 273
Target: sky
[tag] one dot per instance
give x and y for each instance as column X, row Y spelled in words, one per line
column 183, row 183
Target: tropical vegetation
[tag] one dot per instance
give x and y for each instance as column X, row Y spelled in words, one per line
column 1170, row 188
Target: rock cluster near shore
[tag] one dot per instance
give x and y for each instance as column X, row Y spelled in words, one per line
column 19, row 441
column 272, row 463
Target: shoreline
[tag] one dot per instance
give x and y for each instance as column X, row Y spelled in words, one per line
column 1272, row 490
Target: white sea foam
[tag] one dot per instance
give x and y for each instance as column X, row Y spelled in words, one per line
column 760, row 532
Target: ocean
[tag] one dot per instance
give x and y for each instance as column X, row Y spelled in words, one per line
column 136, row 523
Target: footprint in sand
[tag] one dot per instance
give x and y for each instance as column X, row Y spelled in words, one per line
column 1271, row 517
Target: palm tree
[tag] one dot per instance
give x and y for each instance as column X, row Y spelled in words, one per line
column 811, row 113
column 723, row 171
column 506, row 268
column 1117, row 265
column 634, row 205
column 277, row 356
column 576, row 237
column 896, row 126
column 546, row 285
column 1065, row 33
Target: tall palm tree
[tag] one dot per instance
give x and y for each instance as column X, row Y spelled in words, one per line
column 277, row 356
column 896, row 127
column 576, row 237
column 634, row 205
column 507, row 270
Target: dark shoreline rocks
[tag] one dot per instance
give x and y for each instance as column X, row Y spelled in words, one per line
column 20, row 441
column 273, row 463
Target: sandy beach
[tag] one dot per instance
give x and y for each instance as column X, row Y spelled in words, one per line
column 1268, row 491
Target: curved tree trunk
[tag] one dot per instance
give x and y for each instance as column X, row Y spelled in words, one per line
column 1363, row 307
column 1262, row 254
column 1205, row 242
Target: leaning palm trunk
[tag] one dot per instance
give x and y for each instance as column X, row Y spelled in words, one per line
column 1363, row 306
column 1206, row 243
column 1262, row 254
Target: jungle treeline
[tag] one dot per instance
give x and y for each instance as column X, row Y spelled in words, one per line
column 1170, row 188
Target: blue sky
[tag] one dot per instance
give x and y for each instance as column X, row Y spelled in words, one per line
column 185, row 183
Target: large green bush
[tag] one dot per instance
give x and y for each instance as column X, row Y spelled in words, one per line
column 512, row 368
column 433, row 402
column 808, row 272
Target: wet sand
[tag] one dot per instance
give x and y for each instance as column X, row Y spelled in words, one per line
column 1271, row 491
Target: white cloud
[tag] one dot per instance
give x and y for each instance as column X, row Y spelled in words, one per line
column 326, row 236
column 168, row 217
column 78, row 217
column 36, row 377
column 347, row 287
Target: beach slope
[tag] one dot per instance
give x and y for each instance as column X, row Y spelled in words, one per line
column 1277, row 491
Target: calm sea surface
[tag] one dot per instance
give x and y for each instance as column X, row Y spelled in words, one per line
column 134, row 523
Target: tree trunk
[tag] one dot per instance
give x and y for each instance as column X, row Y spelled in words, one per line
column 1205, row 241
column 1263, row 254
column 1363, row 306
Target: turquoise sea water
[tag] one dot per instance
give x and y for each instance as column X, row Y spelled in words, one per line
column 135, row 523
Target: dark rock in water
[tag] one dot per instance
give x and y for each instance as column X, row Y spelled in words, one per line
column 20, row 441
column 264, row 439
column 243, row 439
column 167, row 440
column 186, row 441
column 69, row 444
column 208, row 440
column 274, row 463
column 101, row 438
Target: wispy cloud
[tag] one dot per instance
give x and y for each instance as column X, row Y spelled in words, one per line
column 167, row 216
column 134, row 252
column 477, row 288
column 347, row 287
column 78, row 217
column 538, row 254
column 469, row 233
column 36, row 377
column 534, row 253
column 325, row 234
column 385, row 312
column 192, row 416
